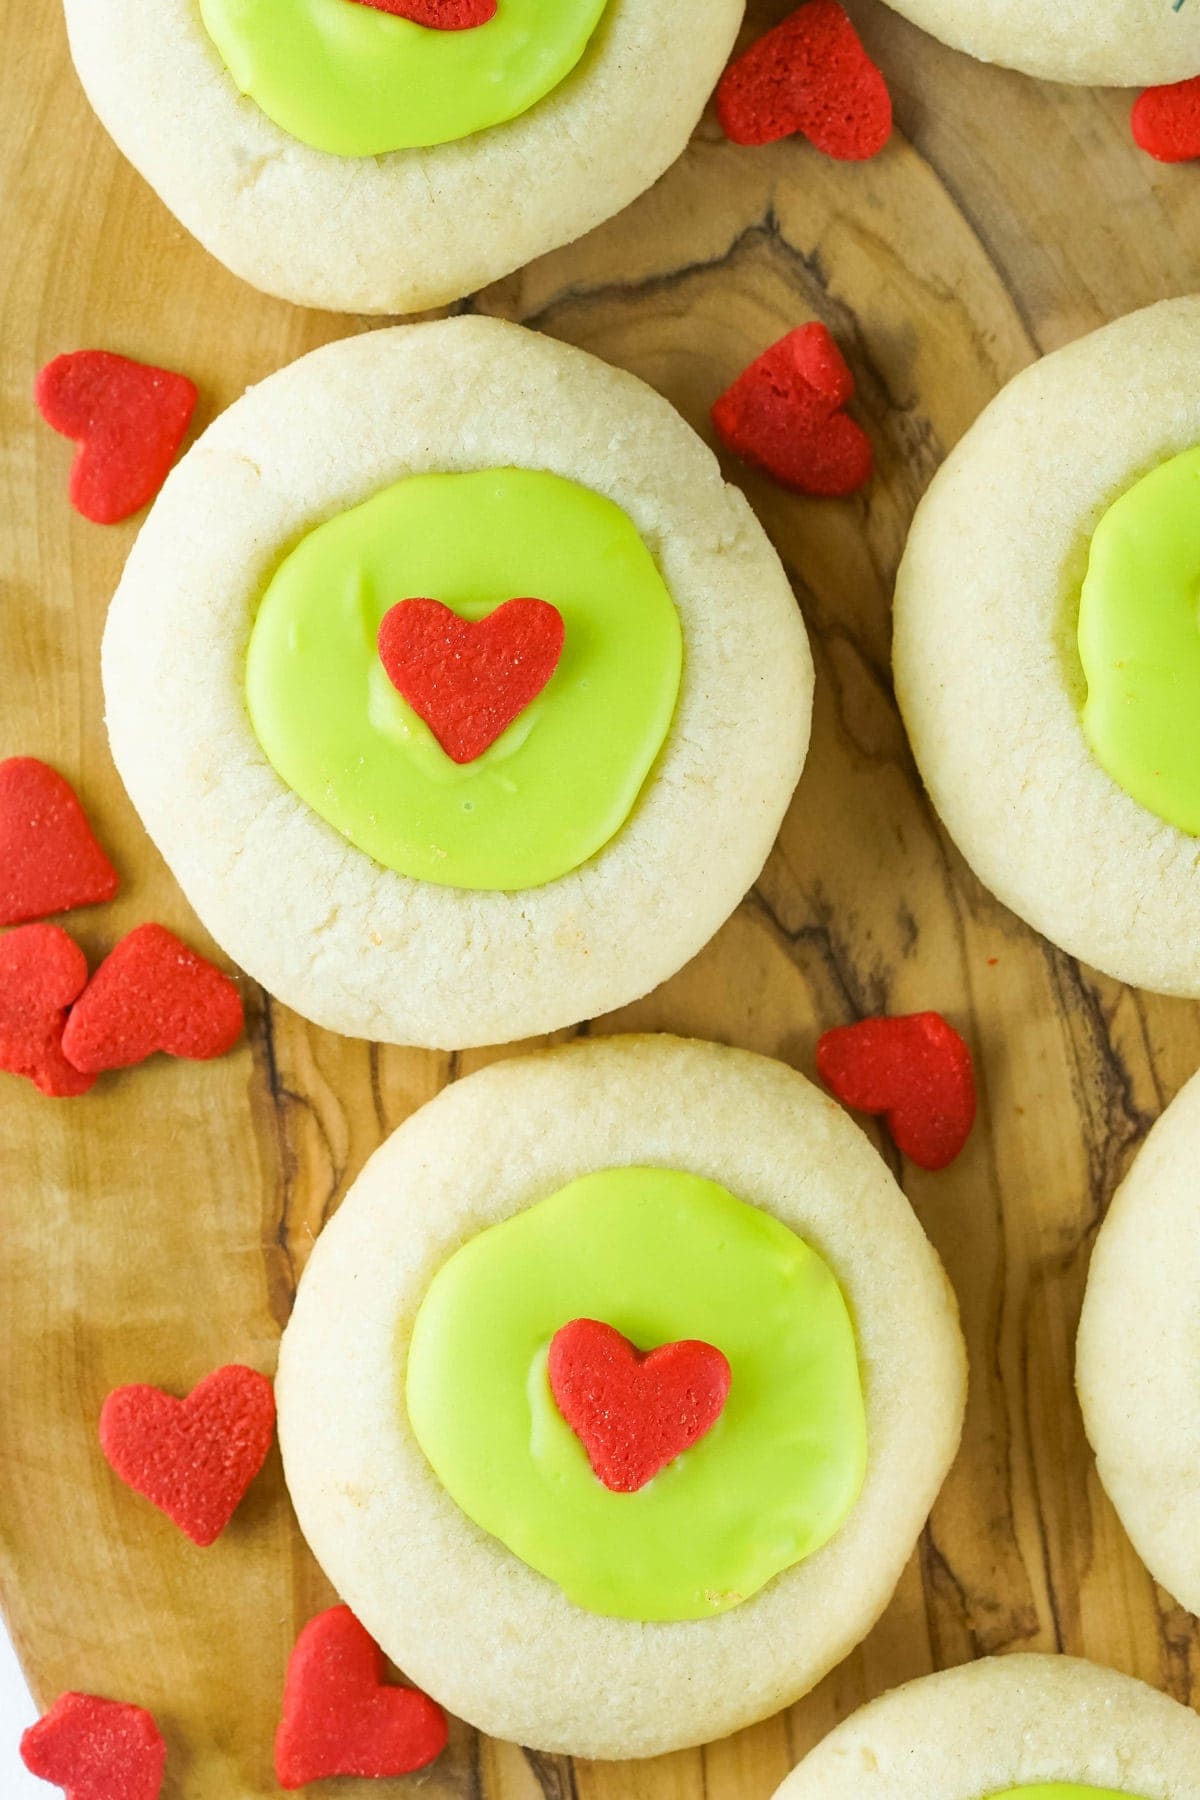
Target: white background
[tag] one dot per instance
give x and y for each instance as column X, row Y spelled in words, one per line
column 16, row 1712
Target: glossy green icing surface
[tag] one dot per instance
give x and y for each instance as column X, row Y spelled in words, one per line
column 661, row 1256
column 1061, row 1790
column 1139, row 641
column 561, row 781
column 354, row 81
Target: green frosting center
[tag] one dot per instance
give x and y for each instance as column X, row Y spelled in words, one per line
column 661, row 1256
column 1061, row 1790
column 564, row 777
column 1139, row 641
column 354, row 81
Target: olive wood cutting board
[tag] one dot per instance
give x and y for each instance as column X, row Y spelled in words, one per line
column 158, row 1227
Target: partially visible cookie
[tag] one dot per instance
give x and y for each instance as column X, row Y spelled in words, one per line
column 1139, row 1350
column 339, row 156
column 1046, row 655
column 1043, row 1727
column 608, row 1550
column 1123, row 43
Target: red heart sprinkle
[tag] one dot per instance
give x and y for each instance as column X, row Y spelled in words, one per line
column 152, row 993
column 49, row 859
column 193, row 1458
column 339, row 1716
column 1166, row 121
column 128, row 419
column 634, row 1413
column 438, row 15
column 97, row 1749
column 916, row 1071
column 784, row 414
column 42, row 971
column 809, row 74
column 469, row 679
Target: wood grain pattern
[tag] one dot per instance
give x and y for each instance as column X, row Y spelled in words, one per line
column 158, row 1227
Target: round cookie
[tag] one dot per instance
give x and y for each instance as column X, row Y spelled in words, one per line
column 1009, row 1728
column 1138, row 1369
column 396, row 226
column 640, row 844
column 503, row 1152
column 1124, row 43
column 1053, row 499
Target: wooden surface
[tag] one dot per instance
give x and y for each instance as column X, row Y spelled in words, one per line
column 158, row 1227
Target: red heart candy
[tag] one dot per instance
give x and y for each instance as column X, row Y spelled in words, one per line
column 784, row 414
column 128, row 419
column 193, row 1458
column 340, row 1718
column 469, row 679
column 1166, row 121
column 97, row 1749
column 152, row 993
column 49, row 859
column 916, row 1071
column 438, row 15
column 632, row 1413
column 809, row 74
column 42, row 971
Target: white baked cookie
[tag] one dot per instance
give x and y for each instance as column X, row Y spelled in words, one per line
column 356, row 946
column 1122, row 43
column 1139, row 1350
column 1010, row 1722
column 414, row 228
column 495, row 1641
column 987, row 665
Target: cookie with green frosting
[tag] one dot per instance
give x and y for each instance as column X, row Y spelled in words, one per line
column 633, row 1354
column 1124, row 43
column 1138, row 1358
column 1008, row 1728
column 353, row 155
column 1047, row 647
column 460, row 691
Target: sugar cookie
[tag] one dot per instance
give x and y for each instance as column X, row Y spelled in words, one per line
column 1047, row 648
column 1124, row 43
column 1009, row 1728
column 677, row 1194
column 330, row 843
column 339, row 156
column 1138, row 1369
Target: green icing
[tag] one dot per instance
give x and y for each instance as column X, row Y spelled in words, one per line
column 562, row 780
column 354, row 81
column 1061, row 1790
column 661, row 1256
column 1139, row 641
